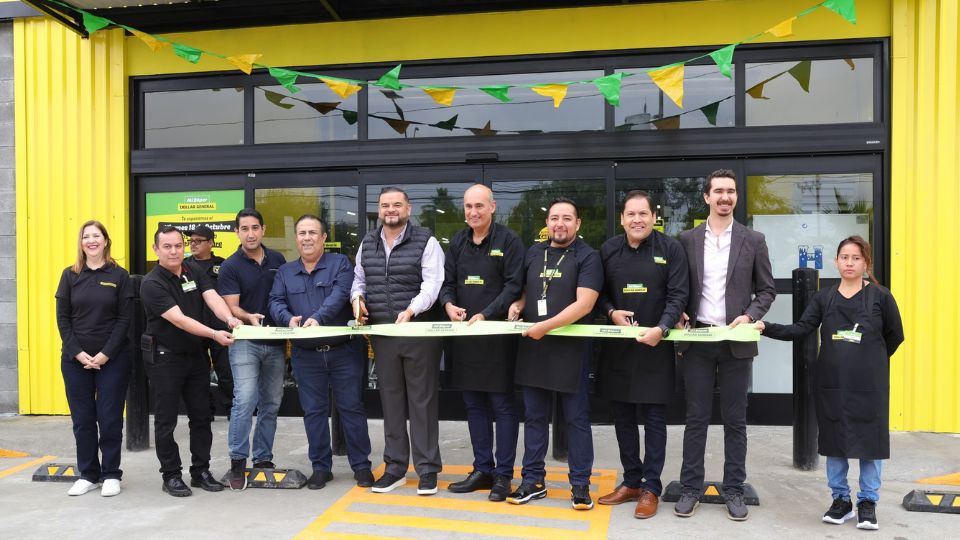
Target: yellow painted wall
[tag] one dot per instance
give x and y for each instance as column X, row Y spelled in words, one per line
column 925, row 190
column 71, row 147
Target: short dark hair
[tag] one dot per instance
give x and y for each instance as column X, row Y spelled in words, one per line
column 564, row 200
column 638, row 194
column 393, row 189
column 323, row 226
column 248, row 212
column 719, row 173
column 164, row 229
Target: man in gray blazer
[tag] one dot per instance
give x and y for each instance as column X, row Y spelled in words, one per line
column 731, row 282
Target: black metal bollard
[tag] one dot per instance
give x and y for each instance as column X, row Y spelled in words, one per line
column 138, row 405
column 806, row 282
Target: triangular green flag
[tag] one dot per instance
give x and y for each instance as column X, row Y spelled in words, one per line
column 801, row 72
column 724, row 59
column 286, row 78
column 277, row 99
column 187, row 52
column 609, row 86
column 710, row 111
column 391, row 79
column 498, row 91
column 93, row 23
column 845, row 8
column 447, row 124
column 350, row 117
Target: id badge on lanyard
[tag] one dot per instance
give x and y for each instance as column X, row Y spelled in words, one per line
column 850, row 336
column 547, row 276
column 188, row 285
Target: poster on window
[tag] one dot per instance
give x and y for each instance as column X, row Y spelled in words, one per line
column 186, row 210
column 808, row 240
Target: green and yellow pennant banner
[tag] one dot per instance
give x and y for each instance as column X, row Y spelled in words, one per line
column 669, row 78
column 491, row 328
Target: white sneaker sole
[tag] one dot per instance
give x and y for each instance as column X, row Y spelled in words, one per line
column 531, row 497
column 76, row 490
column 841, row 521
column 391, row 487
column 430, row 491
column 868, row 526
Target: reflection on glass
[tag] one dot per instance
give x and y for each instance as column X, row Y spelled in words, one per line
column 437, row 206
column 314, row 113
column 522, row 206
column 336, row 206
column 707, row 102
column 209, row 117
column 805, row 216
column 412, row 113
column 810, row 92
column 679, row 200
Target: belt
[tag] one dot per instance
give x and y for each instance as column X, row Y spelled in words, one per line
column 705, row 325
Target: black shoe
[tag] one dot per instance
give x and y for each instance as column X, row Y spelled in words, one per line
column 175, row 486
column 687, row 504
column 580, row 498
column 237, row 477
column 428, row 484
column 736, row 508
column 474, row 481
column 364, row 478
column 387, row 483
column 840, row 511
column 206, row 482
column 501, row 489
column 527, row 492
column 867, row 516
column 319, row 479
column 264, row 465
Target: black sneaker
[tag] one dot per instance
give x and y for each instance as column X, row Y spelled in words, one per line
column 319, row 479
column 500, row 490
column 687, row 504
column 527, row 492
column 580, row 498
column 840, row 511
column 474, row 481
column 364, row 478
column 387, row 483
column 237, row 477
column 428, row 484
column 867, row 516
column 736, row 509
column 266, row 464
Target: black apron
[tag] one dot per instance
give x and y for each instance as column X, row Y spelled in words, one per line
column 553, row 362
column 629, row 371
column 852, row 380
column 483, row 364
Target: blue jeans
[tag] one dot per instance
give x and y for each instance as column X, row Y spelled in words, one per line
column 341, row 369
column 870, row 469
column 258, row 370
column 483, row 410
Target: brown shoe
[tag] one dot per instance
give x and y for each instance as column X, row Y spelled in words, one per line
column 621, row 495
column 646, row 506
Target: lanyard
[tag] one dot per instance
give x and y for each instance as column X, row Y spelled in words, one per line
column 546, row 280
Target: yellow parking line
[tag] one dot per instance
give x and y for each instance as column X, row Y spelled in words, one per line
column 12, row 453
column 950, row 479
column 27, row 465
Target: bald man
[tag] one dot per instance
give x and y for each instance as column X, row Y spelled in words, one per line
column 483, row 276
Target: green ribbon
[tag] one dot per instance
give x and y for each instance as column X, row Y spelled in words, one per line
column 492, row 328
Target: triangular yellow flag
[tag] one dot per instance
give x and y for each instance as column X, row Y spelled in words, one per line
column 443, row 96
column 341, row 88
column 756, row 92
column 244, row 62
column 670, row 81
column 152, row 42
column 555, row 91
column 783, row 29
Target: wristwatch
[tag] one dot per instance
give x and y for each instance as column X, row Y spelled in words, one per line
column 665, row 329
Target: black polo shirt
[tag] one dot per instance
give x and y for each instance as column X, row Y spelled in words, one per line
column 160, row 291
column 210, row 268
column 240, row 274
column 93, row 310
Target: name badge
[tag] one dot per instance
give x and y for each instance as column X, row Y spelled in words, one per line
column 473, row 280
column 188, row 286
column 850, row 336
column 633, row 288
column 496, row 253
column 551, row 273
column 542, row 307
column 108, row 284
column 659, row 260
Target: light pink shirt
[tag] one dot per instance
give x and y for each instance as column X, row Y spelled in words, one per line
column 716, row 255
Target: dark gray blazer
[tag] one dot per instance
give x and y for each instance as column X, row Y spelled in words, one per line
column 750, row 287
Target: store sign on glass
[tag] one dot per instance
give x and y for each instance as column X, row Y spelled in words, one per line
column 186, row 210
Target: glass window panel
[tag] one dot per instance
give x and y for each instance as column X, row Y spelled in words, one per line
column 804, row 217
column 707, row 99
column 478, row 113
column 314, row 113
column 679, row 201
column 337, row 206
column 436, row 206
column 810, row 92
column 209, row 117
column 773, row 369
column 522, row 206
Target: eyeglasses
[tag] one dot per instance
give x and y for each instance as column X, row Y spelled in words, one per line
column 195, row 242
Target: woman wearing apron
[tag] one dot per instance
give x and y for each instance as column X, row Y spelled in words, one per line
column 860, row 329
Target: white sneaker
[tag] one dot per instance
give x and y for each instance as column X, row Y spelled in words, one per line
column 81, row 486
column 111, row 487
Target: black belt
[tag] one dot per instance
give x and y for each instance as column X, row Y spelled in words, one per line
column 699, row 324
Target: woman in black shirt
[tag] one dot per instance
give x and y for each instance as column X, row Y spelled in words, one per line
column 93, row 314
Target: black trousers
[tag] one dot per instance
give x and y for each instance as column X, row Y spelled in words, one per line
column 641, row 473
column 706, row 366
column 172, row 377
column 220, row 358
